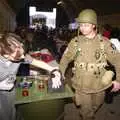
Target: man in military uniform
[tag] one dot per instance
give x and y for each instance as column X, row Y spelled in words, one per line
column 90, row 53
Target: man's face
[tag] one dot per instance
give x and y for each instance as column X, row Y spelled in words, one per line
column 86, row 28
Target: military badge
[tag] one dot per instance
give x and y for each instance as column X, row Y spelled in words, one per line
column 97, row 54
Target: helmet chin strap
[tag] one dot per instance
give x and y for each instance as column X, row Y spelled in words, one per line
column 78, row 32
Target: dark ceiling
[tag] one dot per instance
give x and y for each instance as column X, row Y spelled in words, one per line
column 69, row 8
column 72, row 6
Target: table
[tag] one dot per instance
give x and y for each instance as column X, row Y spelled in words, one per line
column 41, row 104
column 37, row 95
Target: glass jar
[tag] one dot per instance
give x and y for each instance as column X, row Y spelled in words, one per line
column 41, row 85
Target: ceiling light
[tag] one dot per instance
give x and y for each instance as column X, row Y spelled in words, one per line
column 60, row 2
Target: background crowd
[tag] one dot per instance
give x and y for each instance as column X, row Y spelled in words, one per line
column 56, row 40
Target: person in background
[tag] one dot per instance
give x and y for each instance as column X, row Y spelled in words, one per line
column 28, row 40
column 107, row 30
column 115, row 38
column 90, row 53
column 11, row 53
column 40, row 39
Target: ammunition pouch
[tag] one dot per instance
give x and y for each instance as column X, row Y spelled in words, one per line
column 104, row 77
column 90, row 66
column 107, row 78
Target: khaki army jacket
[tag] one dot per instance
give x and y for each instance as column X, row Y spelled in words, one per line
column 90, row 58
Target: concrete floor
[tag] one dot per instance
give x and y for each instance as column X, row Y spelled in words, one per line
column 69, row 111
column 107, row 111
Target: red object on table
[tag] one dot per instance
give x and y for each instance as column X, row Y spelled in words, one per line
column 43, row 56
column 25, row 92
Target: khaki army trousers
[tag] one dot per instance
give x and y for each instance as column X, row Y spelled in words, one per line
column 89, row 104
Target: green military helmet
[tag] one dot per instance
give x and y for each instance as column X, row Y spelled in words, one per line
column 87, row 16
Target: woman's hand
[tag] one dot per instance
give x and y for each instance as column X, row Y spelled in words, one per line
column 116, row 86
